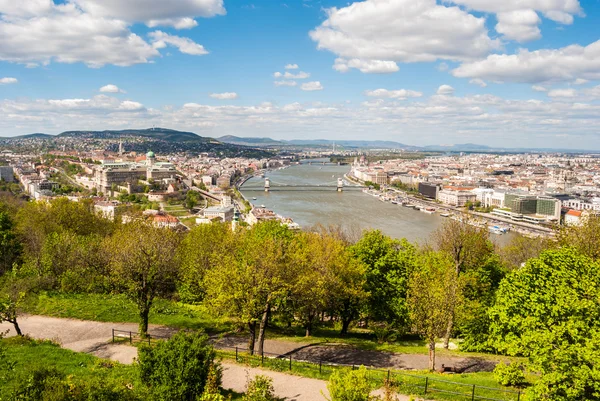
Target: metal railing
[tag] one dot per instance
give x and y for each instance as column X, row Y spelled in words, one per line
column 134, row 336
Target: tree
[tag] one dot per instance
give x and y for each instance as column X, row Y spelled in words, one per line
column 434, row 292
column 349, row 295
column 521, row 249
column 260, row 389
column 549, row 311
column 178, row 369
column 191, row 200
column 388, row 263
column 13, row 293
column 143, row 265
column 247, row 282
column 585, row 237
column 10, row 246
column 469, row 246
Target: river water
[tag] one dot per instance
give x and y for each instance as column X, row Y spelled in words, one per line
column 351, row 208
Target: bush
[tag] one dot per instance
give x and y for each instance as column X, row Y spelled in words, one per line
column 349, row 385
column 260, row 389
column 178, row 369
column 510, row 375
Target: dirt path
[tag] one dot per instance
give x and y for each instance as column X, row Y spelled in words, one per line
column 95, row 337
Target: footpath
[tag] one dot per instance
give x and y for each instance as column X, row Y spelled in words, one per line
column 95, row 338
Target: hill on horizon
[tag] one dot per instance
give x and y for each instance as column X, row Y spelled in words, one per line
column 163, row 134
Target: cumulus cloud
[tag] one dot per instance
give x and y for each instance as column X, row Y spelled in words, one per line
column 148, row 10
column 400, row 94
column 161, row 39
column 518, row 19
column 539, row 88
column 445, row 90
column 110, row 88
column 402, row 31
column 312, row 86
column 94, row 32
column 366, row 66
column 289, row 75
column 177, row 23
column 285, row 83
column 291, row 67
column 479, row 82
column 8, row 80
column 580, row 81
column 562, row 93
column 224, row 96
column 564, row 64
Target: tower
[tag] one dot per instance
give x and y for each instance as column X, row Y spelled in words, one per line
column 121, row 147
column 150, row 158
column 267, row 184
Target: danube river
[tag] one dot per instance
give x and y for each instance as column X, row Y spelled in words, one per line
column 308, row 205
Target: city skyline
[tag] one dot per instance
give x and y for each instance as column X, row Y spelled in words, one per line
column 519, row 74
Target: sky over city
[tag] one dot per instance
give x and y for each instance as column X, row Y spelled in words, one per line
column 512, row 73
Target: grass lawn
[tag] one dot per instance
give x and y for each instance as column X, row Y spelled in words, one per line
column 119, row 309
column 28, row 355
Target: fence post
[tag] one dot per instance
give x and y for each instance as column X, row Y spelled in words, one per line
column 236, row 354
column 113, row 335
column 473, row 394
column 519, row 396
column 262, row 358
column 148, row 341
column 426, row 384
column 388, row 375
column 130, row 338
column 290, row 362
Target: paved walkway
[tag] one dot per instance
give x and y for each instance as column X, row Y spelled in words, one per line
column 94, row 338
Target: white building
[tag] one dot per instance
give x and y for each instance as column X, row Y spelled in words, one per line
column 455, row 198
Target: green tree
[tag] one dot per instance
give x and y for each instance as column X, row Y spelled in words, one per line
column 14, row 291
column 388, row 263
column 191, row 199
column 585, row 237
column 178, row 369
column 143, row 265
column 10, row 246
column 520, row 249
column 434, row 292
column 469, row 247
column 260, row 389
column 349, row 385
column 349, row 297
column 549, row 311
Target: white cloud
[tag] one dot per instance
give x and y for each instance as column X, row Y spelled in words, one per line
column 564, row 64
column 224, row 96
column 479, row 82
column 580, row 81
column 402, row 31
column 289, row 75
column 562, row 93
column 110, row 88
column 445, row 90
column 366, row 66
column 65, row 34
column 539, row 88
column 393, row 94
column 161, row 39
column 519, row 25
column 291, row 67
column 285, row 83
column 8, row 80
column 128, row 105
column 442, row 67
column 177, row 23
column 518, row 19
column 312, row 86
column 147, row 10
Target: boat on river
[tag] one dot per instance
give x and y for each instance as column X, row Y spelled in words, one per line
column 428, row 210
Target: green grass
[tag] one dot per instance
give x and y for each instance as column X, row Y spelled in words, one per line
column 439, row 386
column 29, row 355
column 119, row 309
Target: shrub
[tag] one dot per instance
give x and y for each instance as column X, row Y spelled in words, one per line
column 349, row 385
column 510, row 375
column 177, row 369
column 260, row 389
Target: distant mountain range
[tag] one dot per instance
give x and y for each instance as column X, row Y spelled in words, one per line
column 179, row 139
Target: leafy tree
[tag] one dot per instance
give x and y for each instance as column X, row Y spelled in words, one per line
column 143, row 264
column 549, row 311
column 202, row 249
column 191, row 199
column 13, row 293
column 388, row 263
column 246, row 283
column 521, row 249
column 585, row 237
column 349, row 385
column 433, row 293
column 10, row 246
column 349, row 297
column 178, row 369
column 469, row 246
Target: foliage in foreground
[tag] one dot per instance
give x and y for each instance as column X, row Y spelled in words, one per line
column 349, row 385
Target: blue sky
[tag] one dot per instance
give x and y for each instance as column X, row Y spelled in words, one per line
column 511, row 73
